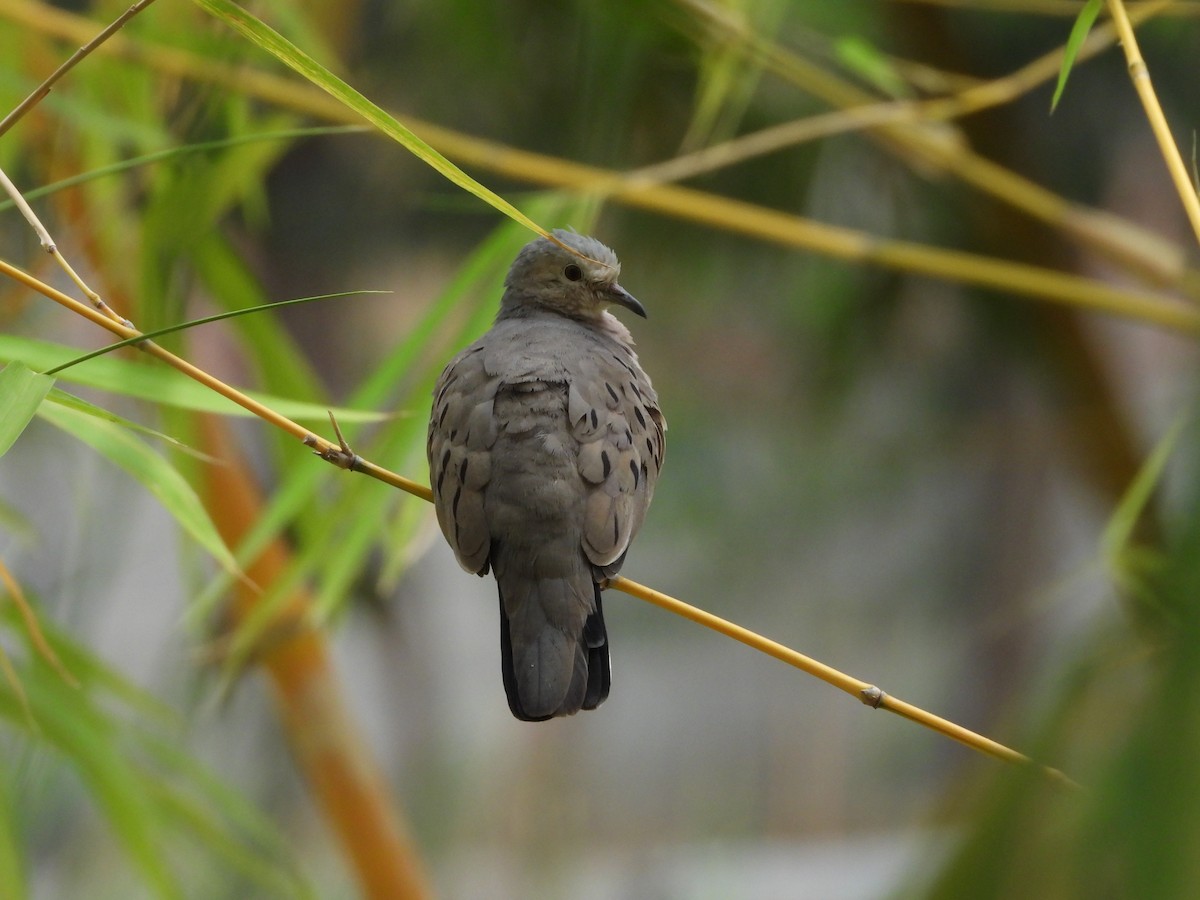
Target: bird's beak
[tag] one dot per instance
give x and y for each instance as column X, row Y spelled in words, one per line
column 614, row 293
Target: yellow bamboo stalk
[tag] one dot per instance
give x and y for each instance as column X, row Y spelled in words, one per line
column 1140, row 74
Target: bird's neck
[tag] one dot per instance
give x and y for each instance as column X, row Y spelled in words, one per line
column 598, row 320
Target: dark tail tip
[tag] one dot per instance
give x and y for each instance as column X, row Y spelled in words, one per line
column 599, row 676
column 595, row 638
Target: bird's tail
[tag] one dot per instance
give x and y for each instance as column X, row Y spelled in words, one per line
column 550, row 668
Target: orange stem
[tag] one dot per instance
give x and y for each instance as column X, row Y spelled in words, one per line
column 345, row 780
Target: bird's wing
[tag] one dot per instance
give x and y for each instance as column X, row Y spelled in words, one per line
column 613, row 413
column 462, row 430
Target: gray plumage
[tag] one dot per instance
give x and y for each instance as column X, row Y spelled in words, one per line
column 545, row 443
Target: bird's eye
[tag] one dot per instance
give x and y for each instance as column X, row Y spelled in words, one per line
column 573, row 272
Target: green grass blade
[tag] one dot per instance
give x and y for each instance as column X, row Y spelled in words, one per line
column 192, row 323
column 154, row 472
column 257, row 32
column 172, row 153
column 159, row 384
column 280, row 364
column 21, row 393
column 1079, row 32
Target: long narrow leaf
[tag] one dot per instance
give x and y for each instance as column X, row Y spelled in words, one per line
column 192, row 323
column 278, row 46
column 80, row 405
column 1079, row 32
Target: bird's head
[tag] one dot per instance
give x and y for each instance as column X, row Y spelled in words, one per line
column 579, row 282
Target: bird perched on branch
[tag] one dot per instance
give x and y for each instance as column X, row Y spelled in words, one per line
column 545, row 443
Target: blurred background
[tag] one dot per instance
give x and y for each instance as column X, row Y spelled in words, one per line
column 910, row 478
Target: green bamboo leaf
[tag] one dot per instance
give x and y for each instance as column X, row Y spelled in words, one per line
column 865, row 60
column 159, row 384
column 81, row 405
column 1079, row 32
column 21, row 393
column 262, row 35
column 151, row 470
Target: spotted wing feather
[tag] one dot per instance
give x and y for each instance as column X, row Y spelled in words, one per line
column 613, row 413
column 462, row 430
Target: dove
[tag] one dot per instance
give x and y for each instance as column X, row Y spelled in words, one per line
column 545, row 443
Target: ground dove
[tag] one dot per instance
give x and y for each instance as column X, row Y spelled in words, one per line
column 545, row 442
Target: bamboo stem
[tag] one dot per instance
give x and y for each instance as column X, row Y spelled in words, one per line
column 866, row 693
column 1140, row 74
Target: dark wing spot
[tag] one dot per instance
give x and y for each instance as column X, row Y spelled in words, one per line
column 595, row 419
column 442, row 415
column 454, row 507
column 611, row 392
column 637, row 411
column 649, row 445
column 442, row 468
column 616, row 529
column 604, row 460
column 462, row 470
column 637, row 475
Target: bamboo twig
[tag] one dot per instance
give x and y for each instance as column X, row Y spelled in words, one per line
column 1140, row 74
column 49, row 245
column 44, row 88
column 32, row 628
column 868, row 694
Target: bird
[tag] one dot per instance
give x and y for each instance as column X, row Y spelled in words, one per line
column 545, row 444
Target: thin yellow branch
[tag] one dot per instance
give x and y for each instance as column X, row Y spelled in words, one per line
column 49, row 245
column 862, row 691
column 44, row 88
column 1140, row 75
column 34, row 630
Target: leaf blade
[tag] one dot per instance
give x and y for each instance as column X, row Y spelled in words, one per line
column 259, row 33
column 21, row 393
column 1079, row 32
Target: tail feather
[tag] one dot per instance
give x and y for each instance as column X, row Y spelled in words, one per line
column 595, row 638
column 549, row 673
